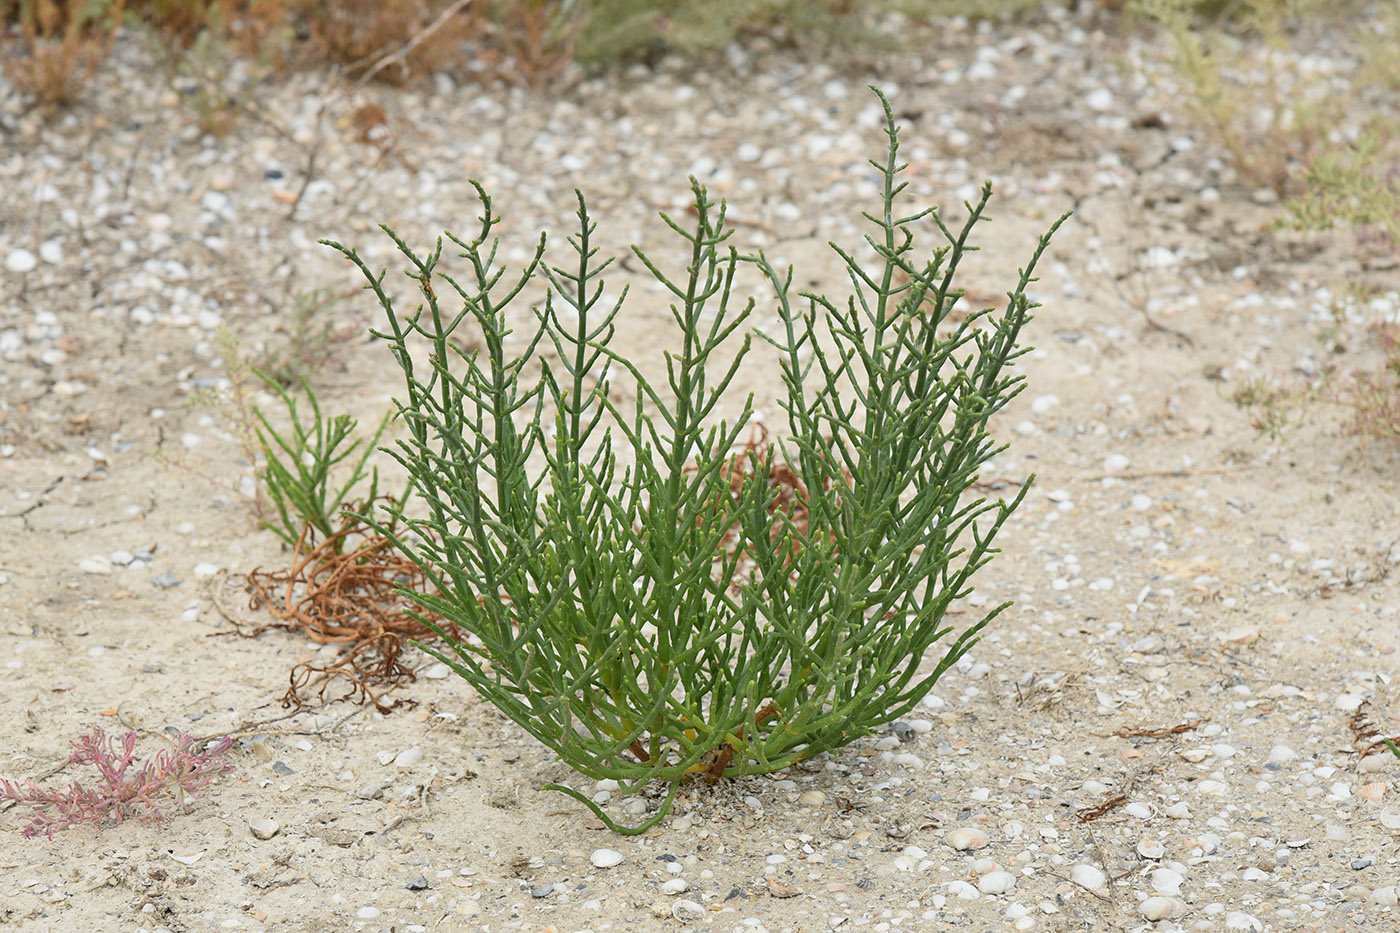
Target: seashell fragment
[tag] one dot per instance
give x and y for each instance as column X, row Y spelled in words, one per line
column 1151, row 848
column 1374, row 791
column 996, row 882
column 1166, row 881
column 605, row 858
column 962, row 890
column 1163, row 908
column 969, row 837
column 1088, row 877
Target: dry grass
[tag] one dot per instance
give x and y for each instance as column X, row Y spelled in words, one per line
column 63, row 42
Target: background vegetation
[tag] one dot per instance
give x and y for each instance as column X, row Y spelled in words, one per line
column 1326, row 143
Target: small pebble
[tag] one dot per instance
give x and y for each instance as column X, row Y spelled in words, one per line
column 542, row 891
column 263, row 827
column 368, row 913
column 1099, row 99
column 438, row 671
column 21, row 260
column 674, row 886
column 408, row 757
column 605, row 858
column 811, row 798
column 419, row 884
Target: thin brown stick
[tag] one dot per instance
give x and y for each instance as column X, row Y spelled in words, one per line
column 407, row 48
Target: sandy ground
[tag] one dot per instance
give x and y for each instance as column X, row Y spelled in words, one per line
column 1171, row 568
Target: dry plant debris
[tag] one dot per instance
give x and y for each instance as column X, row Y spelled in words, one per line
column 345, row 590
column 1143, row 732
column 1089, row 814
column 1366, row 735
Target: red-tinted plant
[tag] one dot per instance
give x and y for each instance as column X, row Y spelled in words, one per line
column 168, row 779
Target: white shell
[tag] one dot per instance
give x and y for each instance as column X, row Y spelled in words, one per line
column 968, row 838
column 1166, row 881
column 996, row 882
column 1088, row 877
column 674, row 886
column 605, row 858
column 687, row 911
column 1141, row 811
column 1163, row 908
column 1151, row 848
column 963, row 890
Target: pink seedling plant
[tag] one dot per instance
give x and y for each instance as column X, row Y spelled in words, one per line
column 148, row 791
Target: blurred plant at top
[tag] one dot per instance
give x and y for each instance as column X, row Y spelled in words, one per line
column 1291, row 120
column 531, row 41
column 64, row 41
column 158, row 788
column 643, row 600
column 1326, row 138
column 1269, row 115
column 1355, row 181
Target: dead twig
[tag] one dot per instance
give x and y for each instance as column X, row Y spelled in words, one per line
column 1089, row 814
column 1127, row 732
column 407, row 48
